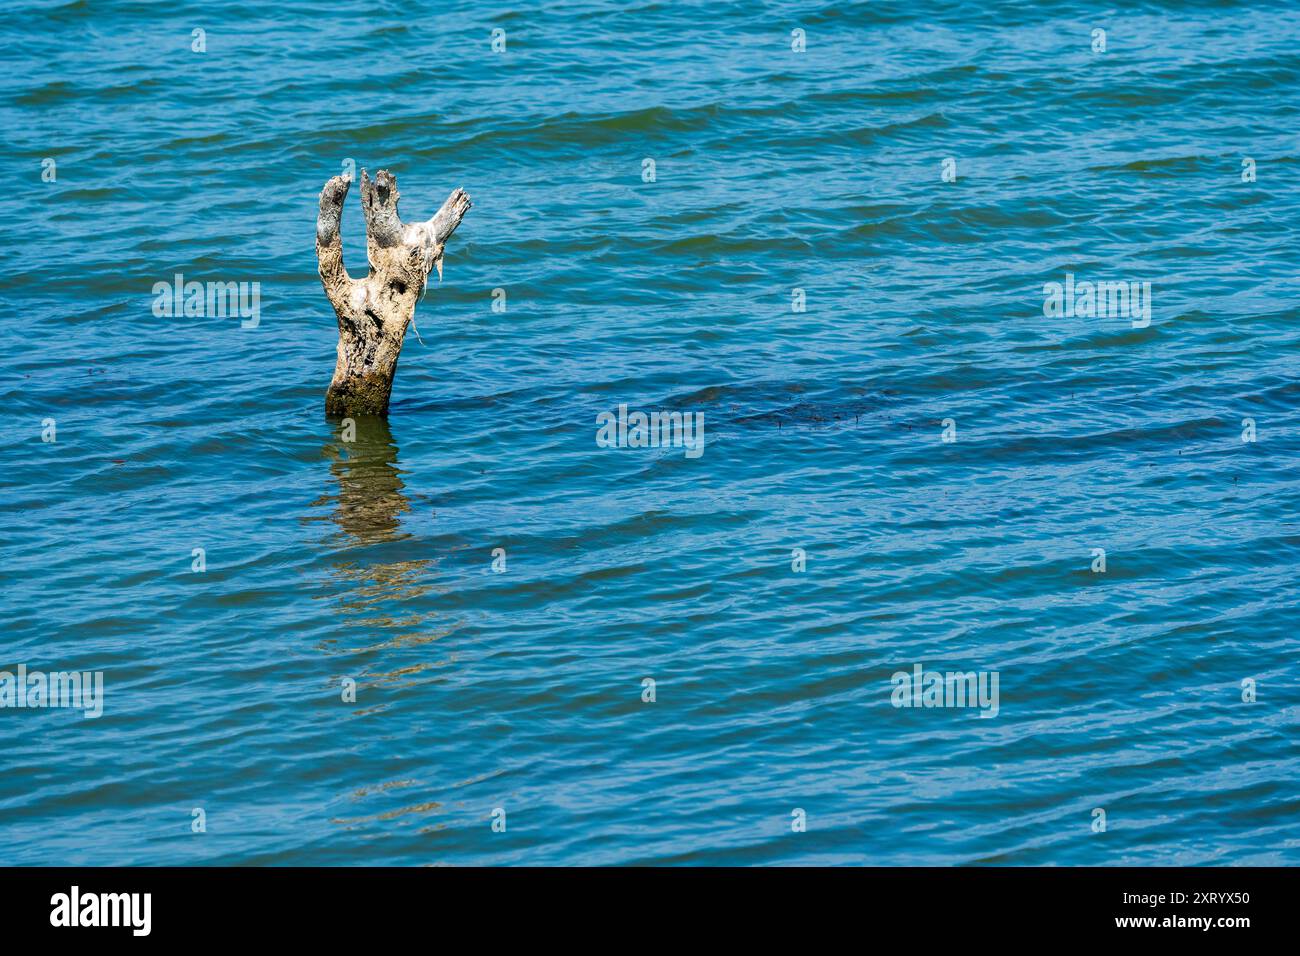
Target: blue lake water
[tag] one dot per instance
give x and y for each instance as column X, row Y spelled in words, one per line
column 947, row 455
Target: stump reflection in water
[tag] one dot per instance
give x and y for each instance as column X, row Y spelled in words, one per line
column 377, row 594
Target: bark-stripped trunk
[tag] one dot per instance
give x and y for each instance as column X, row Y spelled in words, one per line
column 374, row 312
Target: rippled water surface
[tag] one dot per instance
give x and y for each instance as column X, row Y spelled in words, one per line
column 775, row 170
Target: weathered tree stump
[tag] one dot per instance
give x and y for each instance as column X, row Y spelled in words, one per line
column 374, row 312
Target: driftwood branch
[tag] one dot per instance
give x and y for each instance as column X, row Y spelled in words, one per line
column 374, row 312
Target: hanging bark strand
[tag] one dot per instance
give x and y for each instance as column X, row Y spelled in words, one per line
column 374, row 312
